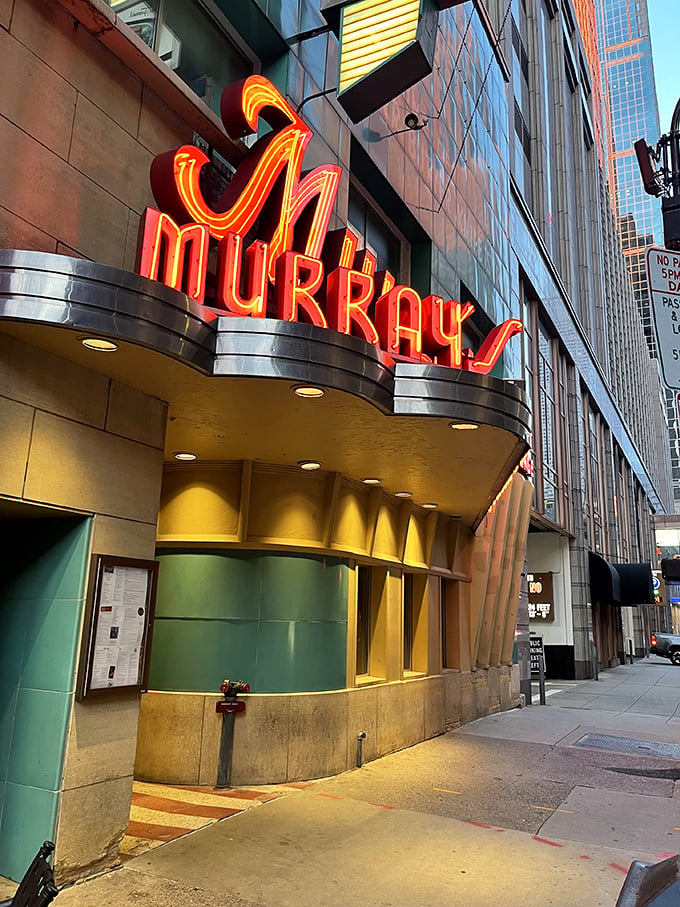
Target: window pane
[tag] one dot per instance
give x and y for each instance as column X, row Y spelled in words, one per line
column 546, row 391
column 442, row 611
column 200, row 54
column 188, row 42
column 374, row 234
column 140, row 16
column 408, row 621
column 363, row 618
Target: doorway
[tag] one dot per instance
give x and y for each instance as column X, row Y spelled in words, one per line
column 44, row 571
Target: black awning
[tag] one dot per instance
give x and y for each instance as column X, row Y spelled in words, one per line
column 620, row 584
column 604, row 580
column 636, row 584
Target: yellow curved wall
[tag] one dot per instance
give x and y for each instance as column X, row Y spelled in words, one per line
column 470, row 580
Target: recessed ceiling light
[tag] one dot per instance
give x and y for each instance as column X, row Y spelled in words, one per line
column 309, row 464
column 184, row 455
column 430, row 506
column 308, row 390
column 403, row 494
column 371, row 481
column 98, row 343
column 464, row 426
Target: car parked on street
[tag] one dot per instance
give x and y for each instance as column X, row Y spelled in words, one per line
column 666, row 645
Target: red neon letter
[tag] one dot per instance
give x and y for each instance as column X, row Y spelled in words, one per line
column 278, row 154
column 490, row 351
column 183, row 250
column 229, row 277
column 348, row 295
column 398, row 318
column 298, row 277
column 443, row 329
column 339, row 249
column 366, row 262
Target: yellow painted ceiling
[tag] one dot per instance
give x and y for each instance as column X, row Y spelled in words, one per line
column 261, row 419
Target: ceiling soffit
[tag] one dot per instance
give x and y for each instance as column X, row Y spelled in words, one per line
column 228, row 382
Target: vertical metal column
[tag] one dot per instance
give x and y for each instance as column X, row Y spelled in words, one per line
column 226, row 748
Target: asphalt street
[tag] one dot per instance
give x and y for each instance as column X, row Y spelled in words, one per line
column 546, row 805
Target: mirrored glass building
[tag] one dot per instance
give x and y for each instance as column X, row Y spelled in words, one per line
column 631, row 112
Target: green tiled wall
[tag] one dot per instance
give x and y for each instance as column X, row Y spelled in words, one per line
column 278, row 621
column 44, row 563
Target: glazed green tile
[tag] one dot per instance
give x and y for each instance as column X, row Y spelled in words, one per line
column 208, row 584
column 51, row 559
column 300, row 656
column 29, row 817
column 8, row 704
column 197, row 655
column 37, row 752
column 300, row 587
column 53, row 630
column 13, row 619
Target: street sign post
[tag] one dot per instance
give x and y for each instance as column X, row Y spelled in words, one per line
column 663, row 274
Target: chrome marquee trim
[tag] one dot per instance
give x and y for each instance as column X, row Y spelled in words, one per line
column 74, row 294
column 305, row 354
column 83, row 296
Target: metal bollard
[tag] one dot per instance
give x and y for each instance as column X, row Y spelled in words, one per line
column 541, row 680
column 228, row 707
column 361, row 736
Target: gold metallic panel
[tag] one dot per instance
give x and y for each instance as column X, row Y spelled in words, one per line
column 219, row 504
column 286, row 507
column 200, row 504
column 513, row 596
column 416, row 552
column 496, row 559
column 349, row 531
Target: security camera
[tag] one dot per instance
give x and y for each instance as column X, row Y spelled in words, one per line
column 411, row 121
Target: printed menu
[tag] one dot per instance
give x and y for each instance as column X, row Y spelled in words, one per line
column 121, row 623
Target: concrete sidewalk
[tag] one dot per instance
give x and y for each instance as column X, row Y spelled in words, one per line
column 650, row 686
column 534, row 807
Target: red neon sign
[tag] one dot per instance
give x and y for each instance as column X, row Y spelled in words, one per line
column 296, row 270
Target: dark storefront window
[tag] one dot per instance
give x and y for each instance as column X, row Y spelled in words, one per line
column 622, row 506
column 408, row 621
column 528, row 361
column 189, row 41
column 443, row 621
column 548, row 216
column 546, row 400
column 595, row 479
column 374, row 234
column 546, row 373
column 363, row 619
column 521, row 169
column 450, row 610
column 564, row 370
column 572, row 177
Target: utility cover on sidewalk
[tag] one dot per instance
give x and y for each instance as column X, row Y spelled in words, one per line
column 630, row 745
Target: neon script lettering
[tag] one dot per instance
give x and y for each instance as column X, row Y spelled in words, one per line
column 296, row 270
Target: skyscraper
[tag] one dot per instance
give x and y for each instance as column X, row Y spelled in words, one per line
column 630, row 112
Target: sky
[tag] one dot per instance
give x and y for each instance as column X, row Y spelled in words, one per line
column 664, row 26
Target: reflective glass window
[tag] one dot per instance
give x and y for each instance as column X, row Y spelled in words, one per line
column 189, row 41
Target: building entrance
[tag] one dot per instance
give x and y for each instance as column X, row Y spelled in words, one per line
column 44, row 566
